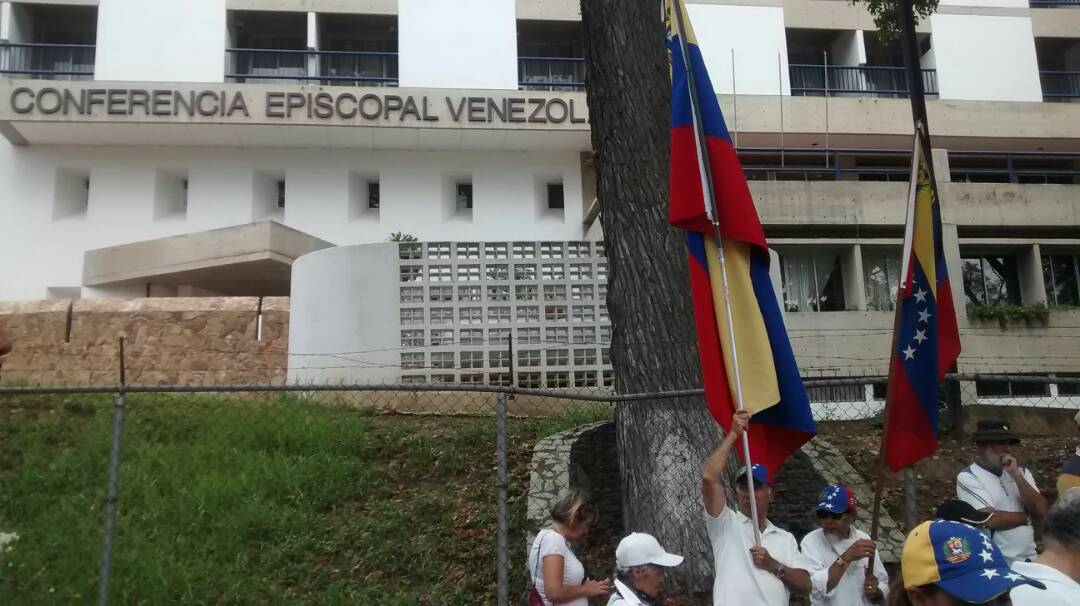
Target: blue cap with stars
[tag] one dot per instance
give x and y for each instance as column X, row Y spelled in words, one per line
column 836, row 498
column 960, row 560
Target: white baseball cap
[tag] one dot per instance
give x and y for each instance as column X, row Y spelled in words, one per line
column 639, row 549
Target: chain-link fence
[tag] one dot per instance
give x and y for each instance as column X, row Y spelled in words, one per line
column 410, row 494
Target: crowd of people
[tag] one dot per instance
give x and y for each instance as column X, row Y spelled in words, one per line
column 979, row 548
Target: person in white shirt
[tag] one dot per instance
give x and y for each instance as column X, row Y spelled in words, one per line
column 1058, row 566
column 557, row 575
column 748, row 575
column 838, row 555
column 997, row 483
column 642, row 564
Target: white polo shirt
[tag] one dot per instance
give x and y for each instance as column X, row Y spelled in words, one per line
column 737, row 581
column 820, row 551
column 981, row 489
column 1060, row 590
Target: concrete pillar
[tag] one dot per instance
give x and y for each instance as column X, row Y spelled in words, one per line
column 5, row 21
column 313, row 43
column 1032, row 283
column 951, row 243
column 852, row 268
column 940, row 158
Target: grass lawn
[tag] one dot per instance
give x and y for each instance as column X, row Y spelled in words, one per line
column 247, row 500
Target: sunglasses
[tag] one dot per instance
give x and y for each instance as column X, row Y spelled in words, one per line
column 828, row 515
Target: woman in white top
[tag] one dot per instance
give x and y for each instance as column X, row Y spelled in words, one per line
column 557, row 574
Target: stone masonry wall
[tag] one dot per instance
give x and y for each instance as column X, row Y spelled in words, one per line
column 203, row 340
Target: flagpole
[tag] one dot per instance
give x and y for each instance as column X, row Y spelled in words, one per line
column 705, row 170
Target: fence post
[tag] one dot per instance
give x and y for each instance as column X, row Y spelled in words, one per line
column 501, row 448
column 111, row 487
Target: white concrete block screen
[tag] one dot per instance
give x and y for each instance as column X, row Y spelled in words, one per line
column 205, row 147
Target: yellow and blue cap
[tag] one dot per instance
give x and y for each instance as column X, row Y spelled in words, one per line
column 960, row 560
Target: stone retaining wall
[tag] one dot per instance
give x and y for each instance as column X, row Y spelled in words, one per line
column 199, row 340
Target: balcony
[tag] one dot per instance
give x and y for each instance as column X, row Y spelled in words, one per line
column 551, row 73
column 550, row 56
column 821, row 80
column 1059, row 67
column 262, row 65
column 1060, row 86
column 47, row 61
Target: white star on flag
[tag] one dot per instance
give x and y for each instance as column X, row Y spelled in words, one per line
column 1012, row 576
column 924, row 315
column 909, row 353
column 989, row 573
column 987, row 556
column 920, row 336
column 920, row 296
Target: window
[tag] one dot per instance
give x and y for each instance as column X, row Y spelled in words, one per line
column 499, row 378
column 584, row 313
column 528, row 313
column 604, row 314
column 525, row 292
column 550, row 250
column 991, row 279
column 281, row 194
column 468, row 293
column 555, row 196
column 881, row 280
column 373, row 195
column 584, row 378
column 554, row 271
column 412, row 360
column 556, row 334
column 584, row 357
column 601, row 289
column 601, row 271
column 1068, row 389
column 529, row 336
column 577, row 250
column 468, row 250
column 498, row 359
column 555, row 313
column 605, row 356
column 1061, row 274
column 580, row 271
column 579, row 292
column 440, row 273
column 472, row 336
column 442, row 359
column 409, row 250
column 525, row 272
column 498, row 272
column 438, row 250
column 557, row 357
column 412, row 315
column 524, row 250
column 1011, row 389
column 411, row 273
column 412, row 338
column 529, row 380
column 600, row 249
column 605, row 334
column 495, row 250
column 442, row 378
column 442, row 315
column 812, row 282
column 528, row 357
column 412, row 294
column 463, row 198
column 498, row 315
column 584, row 334
column 557, row 379
column 554, row 292
column 468, row 273
column 441, row 294
column 837, row 393
column 472, row 359
column 470, row 315
column 472, row 378
column 498, row 293
column 497, row 336
column 411, row 379
column 609, row 378
column 442, row 336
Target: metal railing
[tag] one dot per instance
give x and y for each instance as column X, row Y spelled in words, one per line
column 1014, row 167
column 329, row 67
column 856, row 79
column 47, row 61
column 1060, row 84
column 551, row 73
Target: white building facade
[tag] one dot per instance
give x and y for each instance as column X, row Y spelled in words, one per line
column 139, row 137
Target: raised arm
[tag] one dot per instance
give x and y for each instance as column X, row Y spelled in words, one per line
column 1034, row 501
column 712, row 473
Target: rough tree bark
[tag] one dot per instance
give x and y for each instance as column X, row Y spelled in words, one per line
column 662, row 443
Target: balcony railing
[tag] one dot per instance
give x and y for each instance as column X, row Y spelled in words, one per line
column 551, row 73
column 858, row 80
column 1054, row 3
column 1060, row 85
column 47, row 61
column 255, row 65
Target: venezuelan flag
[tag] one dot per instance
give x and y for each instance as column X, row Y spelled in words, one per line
column 772, row 388
column 927, row 340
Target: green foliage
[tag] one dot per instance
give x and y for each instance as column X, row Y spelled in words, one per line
column 574, row 416
column 398, row 236
column 887, row 15
column 1008, row 313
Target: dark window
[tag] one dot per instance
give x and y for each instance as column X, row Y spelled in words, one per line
column 464, row 196
column 555, row 196
column 1061, row 274
column 281, row 194
column 1011, row 389
column 373, row 195
column 991, row 279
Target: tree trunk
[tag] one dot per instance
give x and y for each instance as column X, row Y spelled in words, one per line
column 662, row 443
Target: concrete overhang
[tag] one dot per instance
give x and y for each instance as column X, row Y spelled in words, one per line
column 243, row 260
column 290, row 115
